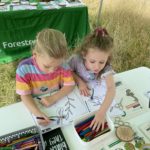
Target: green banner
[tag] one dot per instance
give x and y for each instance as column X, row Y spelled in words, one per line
column 19, row 28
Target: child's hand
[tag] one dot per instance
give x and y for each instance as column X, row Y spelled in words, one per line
column 98, row 121
column 84, row 89
column 46, row 101
column 43, row 120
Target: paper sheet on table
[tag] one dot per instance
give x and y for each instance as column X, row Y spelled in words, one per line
column 75, row 105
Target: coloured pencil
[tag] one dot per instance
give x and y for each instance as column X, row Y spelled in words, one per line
column 102, row 132
column 82, row 129
column 59, row 117
column 78, row 129
column 88, row 134
column 85, row 121
column 42, row 118
column 52, row 117
column 85, row 131
column 92, row 96
column 38, row 98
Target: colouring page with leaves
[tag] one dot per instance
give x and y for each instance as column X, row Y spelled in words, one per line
column 75, row 105
column 64, row 111
column 98, row 92
column 94, row 101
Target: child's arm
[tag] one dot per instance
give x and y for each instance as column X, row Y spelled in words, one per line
column 100, row 115
column 73, row 62
column 83, row 87
column 65, row 90
column 67, row 86
column 30, row 104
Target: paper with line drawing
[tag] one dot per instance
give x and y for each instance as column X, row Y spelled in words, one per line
column 70, row 107
column 74, row 105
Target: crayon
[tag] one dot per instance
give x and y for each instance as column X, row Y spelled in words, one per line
column 85, row 121
column 88, row 138
column 92, row 96
column 59, row 117
column 78, row 129
column 90, row 135
column 105, row 126
column 42, row 118
column 38, row 98
column 85, row 140
column 102, row 132
column 85, row 131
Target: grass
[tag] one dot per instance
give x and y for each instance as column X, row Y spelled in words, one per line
column 7, row 84
column 128, row 24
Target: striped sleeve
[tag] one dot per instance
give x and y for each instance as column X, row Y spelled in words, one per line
column 66, row 76
column 22, row 81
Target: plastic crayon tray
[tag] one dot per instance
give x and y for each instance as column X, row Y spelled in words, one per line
column 85, row 134
column 25, row 139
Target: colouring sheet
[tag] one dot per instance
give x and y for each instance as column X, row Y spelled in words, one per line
column 64, row 111
column 75, row 105
column 128, row 101
column 98, row 93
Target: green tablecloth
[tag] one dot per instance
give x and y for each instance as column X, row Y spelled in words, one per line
column 19, row 28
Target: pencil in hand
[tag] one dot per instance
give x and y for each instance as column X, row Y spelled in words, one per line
column 38, row 98
column 92, row 95
column 52, row 118
column 42, row 118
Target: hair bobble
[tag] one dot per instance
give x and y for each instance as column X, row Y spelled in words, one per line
column 101, row 32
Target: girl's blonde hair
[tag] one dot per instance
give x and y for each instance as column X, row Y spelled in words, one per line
column 98, row 39
column 52, row 42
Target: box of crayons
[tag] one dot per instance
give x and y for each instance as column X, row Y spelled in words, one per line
column 86, row 135
column 25, row 139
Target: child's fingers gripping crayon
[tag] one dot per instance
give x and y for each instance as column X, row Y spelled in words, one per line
column 84, row 130
column 86, row 133
column 43, row 120
column 84, row 122
column 86, row 125
column 103, row 126
column 101, row 131
column 98, row 122
column 38, row 98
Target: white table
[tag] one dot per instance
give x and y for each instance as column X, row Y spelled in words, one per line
column 16, row 117
column 139, row 81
